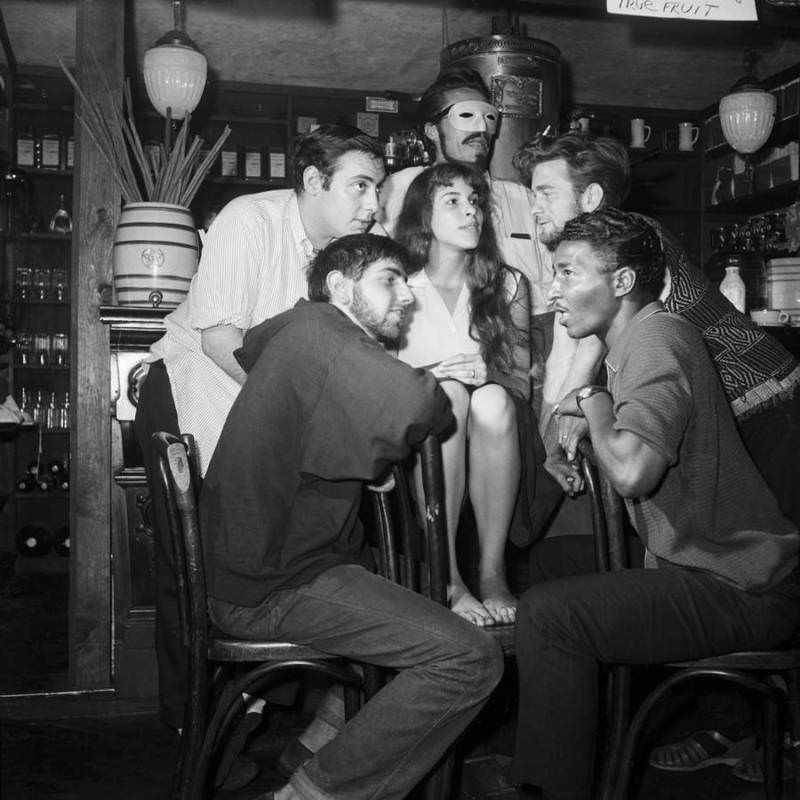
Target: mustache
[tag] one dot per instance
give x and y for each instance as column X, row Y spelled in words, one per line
column 480, row 136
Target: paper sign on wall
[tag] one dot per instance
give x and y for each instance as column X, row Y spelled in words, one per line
column 708, row 10
column 368, row 123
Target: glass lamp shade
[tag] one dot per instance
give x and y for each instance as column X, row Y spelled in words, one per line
column 747, row 119
column 175, row 76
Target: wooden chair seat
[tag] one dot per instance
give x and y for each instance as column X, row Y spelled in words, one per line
column 772, row 675
column 222, row 670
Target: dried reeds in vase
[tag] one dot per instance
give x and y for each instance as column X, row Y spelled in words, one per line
column 172, row 175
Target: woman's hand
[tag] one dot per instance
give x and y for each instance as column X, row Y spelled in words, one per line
column 466, row 368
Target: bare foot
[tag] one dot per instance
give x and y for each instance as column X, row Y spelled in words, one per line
column 498, row 600
column 466, row 605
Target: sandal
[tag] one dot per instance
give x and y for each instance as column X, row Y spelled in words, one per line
column 700, row 750
column 751, row 767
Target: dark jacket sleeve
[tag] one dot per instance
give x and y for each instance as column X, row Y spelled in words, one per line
column 372, row 411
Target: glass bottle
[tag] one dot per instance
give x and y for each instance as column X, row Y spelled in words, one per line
column 732, row 285
column 39, row 411
column 63, row 421
column 52, row 414
column 61, row 222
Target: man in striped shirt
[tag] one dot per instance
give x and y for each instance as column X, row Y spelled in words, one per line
column 253, row 266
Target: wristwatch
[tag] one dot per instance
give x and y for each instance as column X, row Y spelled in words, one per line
column 588, row 391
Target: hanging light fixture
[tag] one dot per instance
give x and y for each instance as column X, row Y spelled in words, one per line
column 175, row 71
column 747, row 114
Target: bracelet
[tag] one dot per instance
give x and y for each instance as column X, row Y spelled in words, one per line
column 588, row 391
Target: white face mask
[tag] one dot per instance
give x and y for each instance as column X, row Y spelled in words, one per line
column 473, row 115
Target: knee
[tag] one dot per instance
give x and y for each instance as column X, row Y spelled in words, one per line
column 459, row 398
column 486, row 664
column 542, row 617
column 492, row 409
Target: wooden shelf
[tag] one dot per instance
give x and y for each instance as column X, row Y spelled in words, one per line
column 45, row 172
column 272, row 183
column 780, row 196
column 42, row 367
column 783, row 132
column 38, row 236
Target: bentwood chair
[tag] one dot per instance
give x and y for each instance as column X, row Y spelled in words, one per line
column 411, row 544
column 222, row 669
column 772, row 676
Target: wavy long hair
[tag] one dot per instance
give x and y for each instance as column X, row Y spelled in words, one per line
column 490, row 323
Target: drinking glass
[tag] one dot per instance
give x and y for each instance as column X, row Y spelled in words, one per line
column 41, row 282
column 24, row 345
column 41, row 348
column 60, row 349
column 23, row 283
column 59, row 284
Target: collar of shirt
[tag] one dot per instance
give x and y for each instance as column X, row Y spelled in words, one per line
column 305, row 248
column 615, row 354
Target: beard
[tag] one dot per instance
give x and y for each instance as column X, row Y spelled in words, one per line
column 385, row 327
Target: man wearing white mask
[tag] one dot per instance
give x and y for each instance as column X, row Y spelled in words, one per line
column 460, row 125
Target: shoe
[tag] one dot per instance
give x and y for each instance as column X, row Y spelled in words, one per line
column 294, row 755
column 751, row 767
column 700, row 750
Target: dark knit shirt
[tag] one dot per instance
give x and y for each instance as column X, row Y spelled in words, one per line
column 324, row 409
column 712, row 510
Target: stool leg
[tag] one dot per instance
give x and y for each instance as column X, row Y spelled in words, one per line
column 793, row 682
column 772, row 742
column 618, row 714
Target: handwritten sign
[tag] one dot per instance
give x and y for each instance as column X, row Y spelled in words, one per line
column 708, row 10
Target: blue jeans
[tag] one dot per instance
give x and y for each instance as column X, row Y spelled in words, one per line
column 566, row 628
column 447, row 670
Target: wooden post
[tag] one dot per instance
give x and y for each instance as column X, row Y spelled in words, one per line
column 96, row 200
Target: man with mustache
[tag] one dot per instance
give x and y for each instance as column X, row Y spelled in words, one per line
column 284, row 548
column 460, row 125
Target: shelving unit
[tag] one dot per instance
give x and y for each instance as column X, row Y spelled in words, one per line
column 728, row 196
column 665, row 182
column 35, row 265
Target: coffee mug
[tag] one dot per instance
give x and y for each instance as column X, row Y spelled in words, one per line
column 770, row 316
column 640, row 132
column 687, row 135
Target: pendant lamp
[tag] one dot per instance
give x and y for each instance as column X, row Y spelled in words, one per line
column 175, row 71
column 747, row 113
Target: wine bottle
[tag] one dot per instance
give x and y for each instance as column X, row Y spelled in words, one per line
column 61, row 542
column 33, row 541
column 27, row 483
column 55, row 467
column 45, row 482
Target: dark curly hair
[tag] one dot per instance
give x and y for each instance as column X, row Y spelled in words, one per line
column 621, row 240
column 600, row 160
column 351, row 255
column 491, row 324
column 324, row 147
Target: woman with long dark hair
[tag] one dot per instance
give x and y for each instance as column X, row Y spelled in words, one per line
column 470, row 328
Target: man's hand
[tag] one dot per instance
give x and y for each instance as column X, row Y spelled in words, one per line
column 566, row 473
column 570, row 431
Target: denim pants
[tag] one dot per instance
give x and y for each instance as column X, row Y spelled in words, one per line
column 566, row 628
column 447, row 670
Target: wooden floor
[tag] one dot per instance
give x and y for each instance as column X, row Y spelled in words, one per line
column 131, row 757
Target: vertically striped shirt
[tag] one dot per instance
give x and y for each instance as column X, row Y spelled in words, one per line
column 253, row 266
